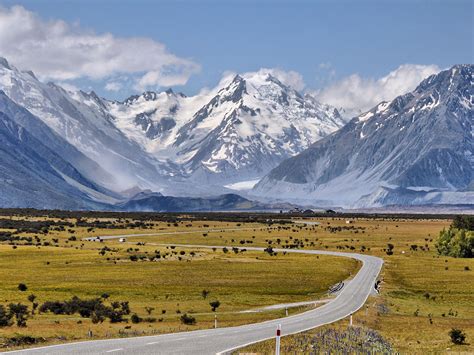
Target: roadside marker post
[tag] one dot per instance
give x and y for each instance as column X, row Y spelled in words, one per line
column 215, row 321
column 350, row 322
column 286, row 311
column 277, row 345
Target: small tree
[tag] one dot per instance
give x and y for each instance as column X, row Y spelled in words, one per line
column 189, row 320
column 205, row 293
column 31, row 298
column 149, row 310
column 457, row 336
column 135, row 318
column 22, row 287
column 20, row 311
column 214, row 305
column 34, row 305
column 5, row 317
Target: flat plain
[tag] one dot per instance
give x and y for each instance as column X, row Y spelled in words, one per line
column 162, row 289
column 422, row 294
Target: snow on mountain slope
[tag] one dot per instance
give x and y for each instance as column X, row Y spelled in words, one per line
column 83, row 120
column 419, row 147
column 33, row 175
column 39, row 130
column 168, row 142
column 153, row 119
column 237, row 131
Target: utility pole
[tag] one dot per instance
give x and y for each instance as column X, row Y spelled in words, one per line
column 277, row 345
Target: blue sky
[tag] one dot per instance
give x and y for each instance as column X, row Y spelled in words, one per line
column 324, row 41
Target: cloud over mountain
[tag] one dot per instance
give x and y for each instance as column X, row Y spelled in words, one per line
column 356, row 94
column 57, row 50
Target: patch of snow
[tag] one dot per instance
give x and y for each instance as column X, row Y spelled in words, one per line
column 366, row 116
column 243, row 185
column 382, row 107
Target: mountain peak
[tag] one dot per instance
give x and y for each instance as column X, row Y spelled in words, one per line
column 460, row 74
column 4, row 63
column 237, row 78
column 235, row 90
column 418, row 143
column 145, row 96
column 274, row 79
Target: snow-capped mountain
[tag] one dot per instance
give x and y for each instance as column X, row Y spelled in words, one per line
column 237, row 131
column 83, row 121
column 58, row 144
column 416, row 149
column 40, row 169
column 167, row 142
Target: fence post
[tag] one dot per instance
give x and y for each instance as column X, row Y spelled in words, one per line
column 277, row 345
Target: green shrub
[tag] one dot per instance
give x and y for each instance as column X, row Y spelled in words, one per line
column 457, row 336
column 5, row 317
column 214, row 305
column 135, row 318
column 189, row 320
column 20, row 311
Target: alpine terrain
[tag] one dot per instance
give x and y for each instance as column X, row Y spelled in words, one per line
column 236, row 132
column 99, row 150
column 416, row 149
column 40, row 169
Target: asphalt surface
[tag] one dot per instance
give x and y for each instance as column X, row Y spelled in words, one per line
column 224, row 340
column 108, row 237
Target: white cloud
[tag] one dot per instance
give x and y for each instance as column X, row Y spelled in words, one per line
column 357, row 94
column 289, row 78
column 113, row 86
column 60, row 51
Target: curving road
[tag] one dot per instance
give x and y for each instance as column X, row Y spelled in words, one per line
column 224, row 340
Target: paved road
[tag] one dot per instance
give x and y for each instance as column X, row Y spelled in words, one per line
column 223, row 340
column 107, row 237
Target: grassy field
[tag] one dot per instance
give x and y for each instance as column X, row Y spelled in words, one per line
column 172, row 285
column 422, row 297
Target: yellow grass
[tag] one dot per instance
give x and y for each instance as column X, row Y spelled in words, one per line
column 408, row 277
column 242, row 281
column 239, row 281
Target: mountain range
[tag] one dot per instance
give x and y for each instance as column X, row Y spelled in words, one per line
column 75, row 150
column 238, row 131
column 416, row 149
